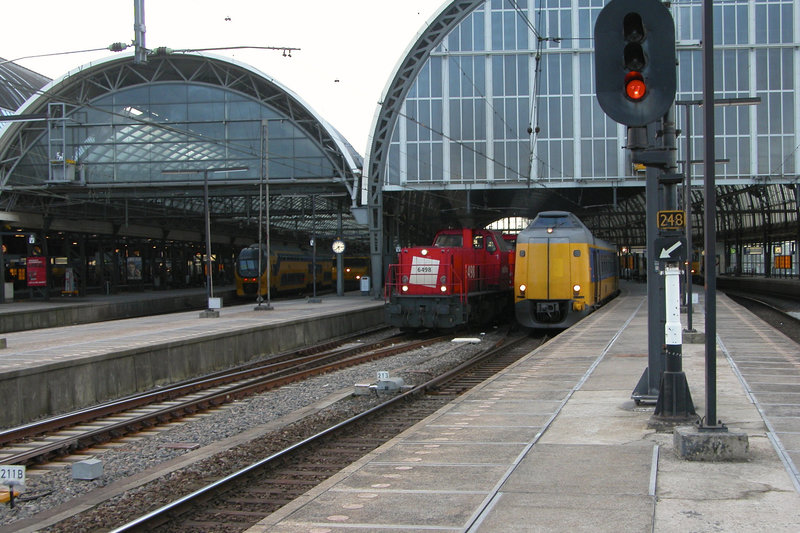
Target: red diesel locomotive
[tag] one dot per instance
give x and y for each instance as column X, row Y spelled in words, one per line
column 465, row 277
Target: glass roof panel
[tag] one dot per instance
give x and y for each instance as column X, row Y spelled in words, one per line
column 135, row 134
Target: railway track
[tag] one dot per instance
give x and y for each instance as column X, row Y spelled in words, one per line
column 46, row 440
column 241, row 499
column 774, row 310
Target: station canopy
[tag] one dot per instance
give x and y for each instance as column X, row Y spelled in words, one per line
column 492, row 113
column 116, row 145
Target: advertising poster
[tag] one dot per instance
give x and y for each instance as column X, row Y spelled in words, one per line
column 134, row 269
column 37, row 271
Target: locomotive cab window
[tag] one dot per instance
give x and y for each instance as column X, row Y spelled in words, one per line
column 448, row 241
column 477, row 242
column 491, row 247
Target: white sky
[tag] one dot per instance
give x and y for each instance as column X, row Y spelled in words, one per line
column 358, row 42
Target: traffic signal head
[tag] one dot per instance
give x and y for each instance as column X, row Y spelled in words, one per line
column 635, row 60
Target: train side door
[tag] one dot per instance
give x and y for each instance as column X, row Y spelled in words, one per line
column 491, row 261
column 596, row 272
column 477, row 262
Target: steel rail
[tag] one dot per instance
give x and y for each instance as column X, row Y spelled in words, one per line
column 179, row 506
column 167, row 393
column 306, row 367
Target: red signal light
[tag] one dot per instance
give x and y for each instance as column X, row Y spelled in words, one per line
column 635, row 87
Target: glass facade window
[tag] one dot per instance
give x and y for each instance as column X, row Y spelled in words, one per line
column 137, row 133
column 508, row 97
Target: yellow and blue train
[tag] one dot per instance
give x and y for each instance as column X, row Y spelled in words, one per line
column 292, row 270
column 562, row 272
column 355, row 268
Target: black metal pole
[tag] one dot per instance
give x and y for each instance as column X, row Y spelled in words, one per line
column 2, row 272
column 797, row 220
column 209, row 291
column 688, row 206
column 710, row 216
column 647, row 389
column 314, row 246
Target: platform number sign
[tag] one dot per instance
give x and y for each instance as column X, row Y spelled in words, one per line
column 671, row 220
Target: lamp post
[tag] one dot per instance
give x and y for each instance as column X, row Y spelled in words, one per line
column 263, row 187
column 687, row 189
column 212, row 308
column 314, row 299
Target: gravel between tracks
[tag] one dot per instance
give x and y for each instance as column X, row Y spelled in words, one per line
column 56, row 490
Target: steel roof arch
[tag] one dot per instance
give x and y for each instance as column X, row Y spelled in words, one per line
column 410, row 64
column 80, row 85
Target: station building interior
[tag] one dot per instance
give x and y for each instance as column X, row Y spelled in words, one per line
column 114, row 169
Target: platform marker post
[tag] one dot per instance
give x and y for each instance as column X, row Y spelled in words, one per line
column 674, row 404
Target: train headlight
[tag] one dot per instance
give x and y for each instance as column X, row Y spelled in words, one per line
column 522, row 289
column 358, row 276
column 549, row 230
column 405, row 288
column 424, row 251
column 443, row 288
column 576, row 288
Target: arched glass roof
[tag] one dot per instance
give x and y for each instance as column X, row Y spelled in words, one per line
column 496, row 95
column 501, row 94
column 149, row 133
column 17, row 84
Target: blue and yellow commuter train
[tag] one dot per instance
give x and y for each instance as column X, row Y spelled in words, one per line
column 562, row 272
column 355, row 268
column 292, row 270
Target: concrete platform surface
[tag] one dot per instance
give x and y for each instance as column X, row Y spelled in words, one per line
column 555, row 443
column 49, row 371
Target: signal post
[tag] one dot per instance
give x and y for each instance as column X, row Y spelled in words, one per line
column 635, row 73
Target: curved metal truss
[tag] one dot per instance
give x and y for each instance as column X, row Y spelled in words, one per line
column 395, row 93
column 756, row 213
column 176, row 201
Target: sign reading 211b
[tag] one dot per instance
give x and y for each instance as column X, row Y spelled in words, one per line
column 12, row 475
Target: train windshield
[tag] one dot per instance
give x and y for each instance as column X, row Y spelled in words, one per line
column 449, row 240
column 553, row 221
column 247, row 263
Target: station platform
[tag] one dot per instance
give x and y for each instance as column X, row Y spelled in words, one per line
column 23, row 315
column 783, row 293
column 555, row 443
column 49, row 371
